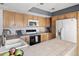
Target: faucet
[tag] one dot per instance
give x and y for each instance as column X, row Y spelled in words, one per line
column 4, row 36
column 3, row 40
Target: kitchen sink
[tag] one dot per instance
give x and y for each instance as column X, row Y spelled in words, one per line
column 17, row 43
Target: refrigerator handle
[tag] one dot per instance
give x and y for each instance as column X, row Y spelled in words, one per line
column 60, row 33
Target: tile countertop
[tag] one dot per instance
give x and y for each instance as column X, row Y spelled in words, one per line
column 16, row 36
column 50, row 48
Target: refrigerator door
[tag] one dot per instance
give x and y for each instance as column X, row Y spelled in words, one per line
column 70, row 30
column 59, row 28
column 66, row 29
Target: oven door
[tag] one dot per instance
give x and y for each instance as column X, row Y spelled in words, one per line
column 35, row 39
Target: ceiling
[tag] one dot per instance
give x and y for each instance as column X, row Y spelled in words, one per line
column 46, row 7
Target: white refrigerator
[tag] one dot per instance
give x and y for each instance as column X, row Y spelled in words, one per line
column 66, row 29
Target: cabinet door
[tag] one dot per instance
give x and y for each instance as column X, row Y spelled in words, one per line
column 35, row 17
column 47, row 22
column 44, row 37
column 11, row 19
column 19, row 20
column 61, row 17
column 25, row 20
column 53, row 26
column 8, row 19
column 41, row 21
column 30, row 17
column 50, row 36
column 70, row 15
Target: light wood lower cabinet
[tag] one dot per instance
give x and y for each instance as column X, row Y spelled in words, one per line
column 46, row 36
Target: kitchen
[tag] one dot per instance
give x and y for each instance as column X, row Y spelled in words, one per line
column 32, row 29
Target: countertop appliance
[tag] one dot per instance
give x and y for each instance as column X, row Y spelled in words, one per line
column 66, row 29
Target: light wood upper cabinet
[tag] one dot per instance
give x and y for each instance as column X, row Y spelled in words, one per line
column 47, row 21
column 35, row 17
column 25, row 20
column 8, row 19
column 70, row 15
column 19, row 20
column 30, row 17
column 41, row 21
column 61, row 17
column 5, row 21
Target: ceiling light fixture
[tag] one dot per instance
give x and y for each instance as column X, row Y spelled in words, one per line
column 1, row 3
column 41, row 3
column 52, row 8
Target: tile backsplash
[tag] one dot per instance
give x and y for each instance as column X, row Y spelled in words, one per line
column 40, row 29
